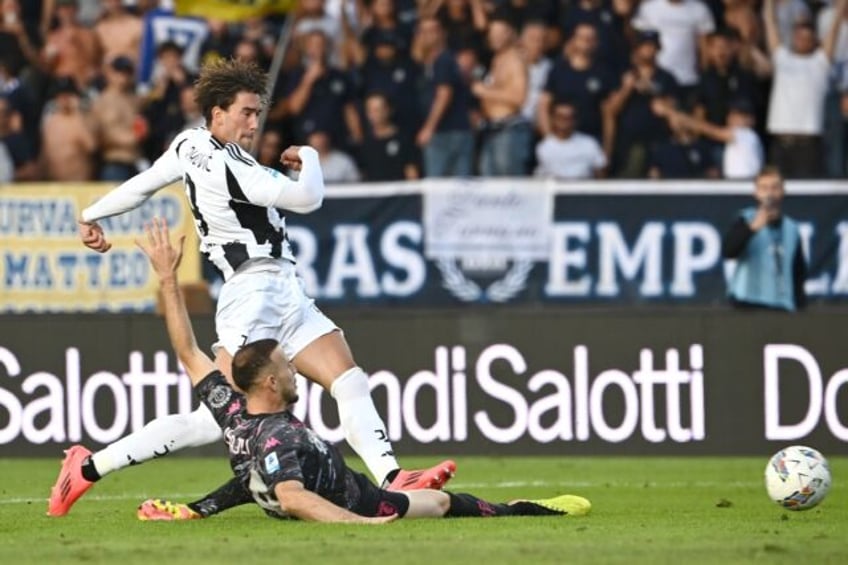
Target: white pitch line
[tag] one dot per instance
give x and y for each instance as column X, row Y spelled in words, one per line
column 454, row 486
column 140, row 497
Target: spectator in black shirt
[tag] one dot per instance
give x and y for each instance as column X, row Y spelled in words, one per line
column 683, row 156
column 382, row 19
column 578, row 78
column 163, row 104
column 387, row 154
column 320, row 96
column 15, row 44
column 632, row 128
column 24, row 106
column 610, row 19
column 220, row 43
column 464, row 22
column 16, row 144
column 723, row 80
column 445, row 137
column 519, row 12
column 388, row 69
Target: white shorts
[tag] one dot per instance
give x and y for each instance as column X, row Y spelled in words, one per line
column 266, row 300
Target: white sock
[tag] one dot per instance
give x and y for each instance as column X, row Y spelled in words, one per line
column 159, row 437
column 363, row 427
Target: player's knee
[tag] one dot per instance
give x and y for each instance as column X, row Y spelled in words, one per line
column 427, row 503
column 351, row 384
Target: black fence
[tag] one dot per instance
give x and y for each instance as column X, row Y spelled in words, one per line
column 492, row 381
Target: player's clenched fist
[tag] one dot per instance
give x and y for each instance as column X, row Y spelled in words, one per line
column 291, row 158
column 93, row 237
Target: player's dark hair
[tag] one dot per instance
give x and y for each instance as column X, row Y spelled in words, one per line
column 221, row 80
column 250, row 361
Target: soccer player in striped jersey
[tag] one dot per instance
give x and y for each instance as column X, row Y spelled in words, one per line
column 235, row 204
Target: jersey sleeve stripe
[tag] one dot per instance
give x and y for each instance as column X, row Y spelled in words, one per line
column 177, row 149
column 235, row 154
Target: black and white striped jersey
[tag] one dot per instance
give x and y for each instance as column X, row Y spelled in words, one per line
column 233, row 198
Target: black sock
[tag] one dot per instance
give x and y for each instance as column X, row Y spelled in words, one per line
column 525, row 508
column 227, row 496
column 462, row 505
column 89, row 472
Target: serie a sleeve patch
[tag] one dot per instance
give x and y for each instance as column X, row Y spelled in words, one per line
column 272, row 464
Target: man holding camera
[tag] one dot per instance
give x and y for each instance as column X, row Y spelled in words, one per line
column 770, row 265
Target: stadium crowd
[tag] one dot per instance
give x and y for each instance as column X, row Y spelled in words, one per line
column 402, row 89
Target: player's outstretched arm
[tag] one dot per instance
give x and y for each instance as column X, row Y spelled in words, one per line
column 304, row 504
column 127, row 196
column 165, row 259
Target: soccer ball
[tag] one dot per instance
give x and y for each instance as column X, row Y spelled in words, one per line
column 797, row 477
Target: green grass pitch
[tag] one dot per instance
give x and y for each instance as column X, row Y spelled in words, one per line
column 645, row 510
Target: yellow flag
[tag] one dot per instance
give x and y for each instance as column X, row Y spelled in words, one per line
column 233, row 10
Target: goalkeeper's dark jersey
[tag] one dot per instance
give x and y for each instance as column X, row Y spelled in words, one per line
column 267, row 449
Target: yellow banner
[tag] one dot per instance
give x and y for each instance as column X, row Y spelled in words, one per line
column 44, row 267
column 233, row 10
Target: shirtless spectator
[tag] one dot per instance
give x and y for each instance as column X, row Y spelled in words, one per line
column 119, row 32
column 117, row 124
column 68, row 146
column 72, row 50
column 507, row 135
